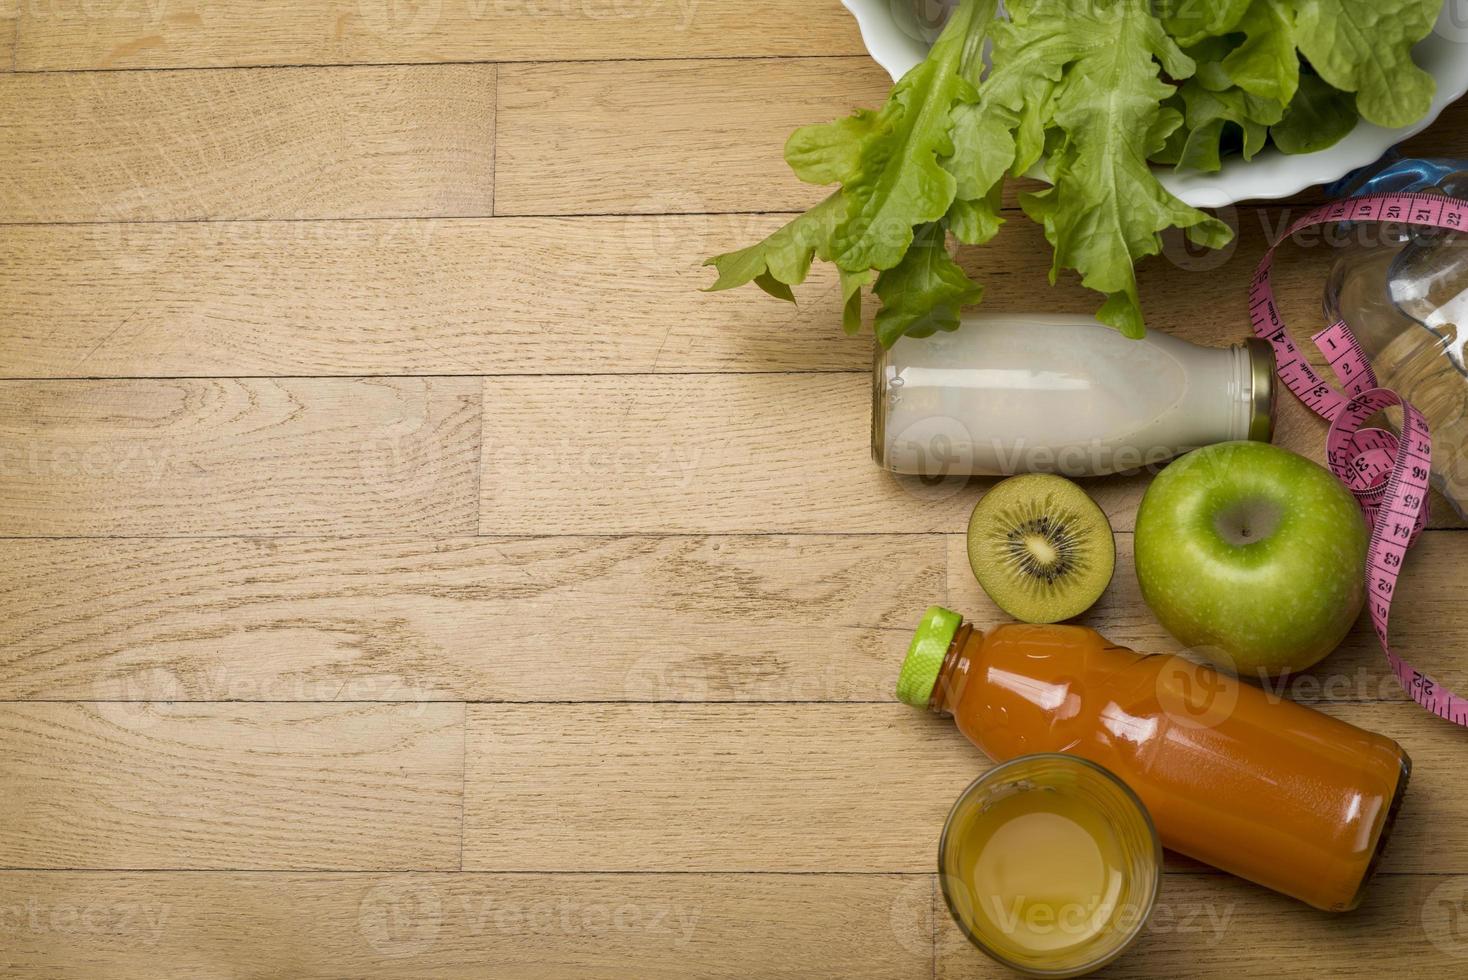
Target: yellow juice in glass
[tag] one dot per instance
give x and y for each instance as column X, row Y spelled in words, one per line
column 1050, row 865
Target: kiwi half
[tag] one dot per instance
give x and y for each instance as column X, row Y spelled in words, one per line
column 1041, row 548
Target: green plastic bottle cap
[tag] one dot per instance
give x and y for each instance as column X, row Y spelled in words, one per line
column 925, row 656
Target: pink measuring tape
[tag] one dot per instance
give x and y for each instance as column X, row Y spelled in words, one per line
column 1387, row 474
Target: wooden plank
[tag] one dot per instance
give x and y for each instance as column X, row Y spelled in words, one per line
column 297, row 143
column 435, row 925
column 1430, row 835
column 238, row 457
column 709, row 787
column 706, row 136
column 1215, row 927
column 9, row 25
column 556, row 619
column 718, row 453
column 1427, row 627
column 514, row 296
column 730, row 454
column 798, row 787
column 659, row 927
column 517, row 296
column 355, row 786
column 214, row 33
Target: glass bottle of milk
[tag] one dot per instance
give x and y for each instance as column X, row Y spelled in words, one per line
column 1061, row 394
column 1404, row 294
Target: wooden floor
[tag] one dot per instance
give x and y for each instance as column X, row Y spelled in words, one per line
column 407, row 572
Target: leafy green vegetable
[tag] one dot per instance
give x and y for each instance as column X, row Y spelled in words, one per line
column 888, row 161
column 1099, row 89
column 1318, row 117
column 1208, row 55
column 1365, row 46
column 1361, row 46
column 1217, row 121
column 1212, row 117
column 1003, row 132
column 925, row 291
column 783, row 259
column 1265, row 65
column 851, row 283
column 1105, row 208
column 1190, row 21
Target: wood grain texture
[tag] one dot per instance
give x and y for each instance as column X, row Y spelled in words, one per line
column 513, row 295
column 1426, row 627
column 578, row 927
column 435, row 925
column 319, row 786
column 1212, row 928
column 811, row 787
column 731, row 454
column 799, row 787
column 214, row 33
column 9, row 25
column 517, row 296
column 196, row 363
column 706, row 136
column 644, row 619
column 292, row 143
column 238, row 456
column 1429, row 837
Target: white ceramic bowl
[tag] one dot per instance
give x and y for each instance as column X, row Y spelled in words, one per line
column 897, row 40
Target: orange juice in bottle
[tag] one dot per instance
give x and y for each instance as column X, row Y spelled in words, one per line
column 1269, row 790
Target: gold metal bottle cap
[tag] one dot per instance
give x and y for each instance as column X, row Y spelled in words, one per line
column 1263, row 393
column 879, row 404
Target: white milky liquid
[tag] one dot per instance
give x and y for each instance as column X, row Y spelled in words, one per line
column 1062, row 394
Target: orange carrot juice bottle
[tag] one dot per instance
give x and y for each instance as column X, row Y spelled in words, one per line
column 1264, row 788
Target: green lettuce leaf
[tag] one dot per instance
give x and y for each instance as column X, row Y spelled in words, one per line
column 1004, row 131
column 1219, row 116
column 783, row 259
column 925, row 292
column 1170, row 153
column 1265, row 64
column 831, row 153
column 1361, row 46
column 1190, row 21
column 888, row 162
column 851, row 285
column 1208, row 55
column 1365, row 46
column 1214, row 120
column 1319, row 117
column 1106, row 209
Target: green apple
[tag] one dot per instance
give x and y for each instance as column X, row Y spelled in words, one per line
column 1253, row 556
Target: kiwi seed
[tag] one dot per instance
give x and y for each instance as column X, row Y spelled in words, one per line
column 1041, row 548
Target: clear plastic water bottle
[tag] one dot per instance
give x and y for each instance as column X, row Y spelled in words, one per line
column 1404, row 294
